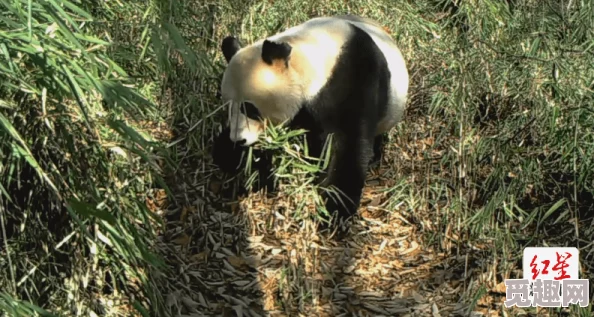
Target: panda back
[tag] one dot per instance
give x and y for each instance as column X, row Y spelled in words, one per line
column 321, row 40
column 399, row 78
column 317, row 46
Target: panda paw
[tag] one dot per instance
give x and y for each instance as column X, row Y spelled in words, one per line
column 339, row 215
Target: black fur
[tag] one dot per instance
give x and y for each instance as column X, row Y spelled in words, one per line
column 273, row 50
column 231, row 157
column 226, row 153
column 230, row 46
column 350, row 105
column 378, row 146
column 250, row 111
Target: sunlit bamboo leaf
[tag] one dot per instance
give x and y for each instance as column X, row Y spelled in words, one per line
column 76, row 9
column 78, row 94
column 181, row 46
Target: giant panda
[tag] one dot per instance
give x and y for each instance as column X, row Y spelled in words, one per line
column 341, row 75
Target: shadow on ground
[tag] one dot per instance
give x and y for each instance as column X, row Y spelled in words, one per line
column 207, row 238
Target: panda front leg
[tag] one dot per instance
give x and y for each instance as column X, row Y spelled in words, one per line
column 226, row 154
column 346, row 173
column 378, row 146
column 231, row 157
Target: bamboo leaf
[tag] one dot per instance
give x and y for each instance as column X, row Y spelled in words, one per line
column 65, row 15
column 87, row 210
column 25, row 152
column 76, row 9
column 63, row 28
column 78, row 94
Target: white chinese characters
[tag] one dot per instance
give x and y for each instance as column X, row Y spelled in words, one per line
column 550, row 280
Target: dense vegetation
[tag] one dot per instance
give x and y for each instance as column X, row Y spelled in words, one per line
column 109, row 204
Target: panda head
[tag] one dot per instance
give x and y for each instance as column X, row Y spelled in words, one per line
column 261, row 81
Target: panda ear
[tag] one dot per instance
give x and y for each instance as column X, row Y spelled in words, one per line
column 272, row 51
column 230, row 46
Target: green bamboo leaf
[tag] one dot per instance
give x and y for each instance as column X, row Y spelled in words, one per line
column 64, row 29
column 35, row 165
column 308, row 168
column 10, row 23
column 139, row 308
column 91, row 39
column 128, row 133
column 116, row 67
column 535, row 46
column 117, row 93
column 119, row 235
column 61, row 83
column 12, row 8
column 5, row 193
column 118, row 242
column 25, row 152
column 181, row 46
column 76, row 9
column 25, row 308
column 78, row 94
column 145, row 40
column 6, row 70
column 89, row 211
column 25, row 49
column 64, row 14
column 29, row 19
column 83, row 73
column 159, row 48
column 7, row 104
column 553, row 208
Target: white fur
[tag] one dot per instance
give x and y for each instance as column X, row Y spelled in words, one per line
column 320, row 41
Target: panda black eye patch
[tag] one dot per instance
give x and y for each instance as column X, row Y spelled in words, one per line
column 250, row 111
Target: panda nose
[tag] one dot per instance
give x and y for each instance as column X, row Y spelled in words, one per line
column 241, row 142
